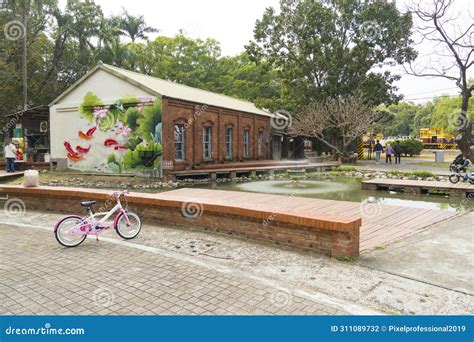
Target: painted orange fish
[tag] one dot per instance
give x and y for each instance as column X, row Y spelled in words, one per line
column 84, row 136
column 74, row 157
column 88, row 135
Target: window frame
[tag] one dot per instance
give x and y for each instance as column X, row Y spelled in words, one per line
column 209, row 142
column 182, row 141
column 261, row 142
column 246, row 143
column 229, row 142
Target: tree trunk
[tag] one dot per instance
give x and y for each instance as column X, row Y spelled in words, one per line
column 465, row 139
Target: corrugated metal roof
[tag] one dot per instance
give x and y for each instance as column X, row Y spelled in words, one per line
column 171, row 89
column 183, row 92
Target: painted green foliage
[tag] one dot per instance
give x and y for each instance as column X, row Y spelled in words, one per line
column 87, row 107
column 136, row 122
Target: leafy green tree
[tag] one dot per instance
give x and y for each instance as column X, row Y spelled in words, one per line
column 134, row 27
column 241, row 77
column 330, row 48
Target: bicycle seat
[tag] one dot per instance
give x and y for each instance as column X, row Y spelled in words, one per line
column 88, row 204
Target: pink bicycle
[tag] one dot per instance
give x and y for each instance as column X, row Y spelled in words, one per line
column 72, row 230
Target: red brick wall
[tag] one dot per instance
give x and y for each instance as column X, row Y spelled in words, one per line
column 324, row 241
column 195, row 117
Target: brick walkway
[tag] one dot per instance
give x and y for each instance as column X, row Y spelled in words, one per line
column 37, row 276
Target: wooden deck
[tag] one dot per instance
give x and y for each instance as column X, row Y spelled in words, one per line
column 419, row 187
column 257, row 167
column 381, row 224
column 387, row 224
column 4, row 174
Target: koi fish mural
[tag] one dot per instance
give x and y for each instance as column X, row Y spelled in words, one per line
column 122, row 135
column 83, row 150
column 88, row 135
column 110, row 142
column 76, row 155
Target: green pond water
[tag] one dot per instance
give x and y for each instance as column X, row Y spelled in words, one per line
column 346, row 189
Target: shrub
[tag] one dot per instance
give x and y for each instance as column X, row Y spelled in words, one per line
column 346, row 169
column 423, row 174
column 411, row 147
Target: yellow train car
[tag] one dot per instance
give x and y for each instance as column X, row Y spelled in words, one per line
column 435, row 138
column 369, row 139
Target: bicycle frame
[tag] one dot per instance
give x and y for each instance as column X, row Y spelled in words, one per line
column 90, row 224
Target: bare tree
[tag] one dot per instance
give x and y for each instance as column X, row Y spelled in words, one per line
column 337, row 122
column 454, row 47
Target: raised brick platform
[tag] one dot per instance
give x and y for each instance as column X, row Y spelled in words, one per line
column 269, row 218
column 329, row 227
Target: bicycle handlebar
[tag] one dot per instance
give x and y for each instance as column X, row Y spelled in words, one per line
column 117, row 194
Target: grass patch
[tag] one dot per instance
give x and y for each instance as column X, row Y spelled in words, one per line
column 346, row 169
column 433, row 164
column 379, row 248
column 350, row 259
column 423, row 174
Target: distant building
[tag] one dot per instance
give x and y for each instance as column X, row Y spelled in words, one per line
column 114, row 120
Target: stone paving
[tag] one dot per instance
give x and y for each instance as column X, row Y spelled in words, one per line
column 169, row 270
column 37, row 276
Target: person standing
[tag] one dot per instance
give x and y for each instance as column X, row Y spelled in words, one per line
column 397, row 149
column 378, row 152
column 10, row 156
column 389, row 151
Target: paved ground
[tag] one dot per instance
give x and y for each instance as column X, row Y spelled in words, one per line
column 449, row 246
column 408, row 164
column 39, row 277
column 174, row 271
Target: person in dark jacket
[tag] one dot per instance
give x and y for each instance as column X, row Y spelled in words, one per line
column 378, row 151
column 397, row 149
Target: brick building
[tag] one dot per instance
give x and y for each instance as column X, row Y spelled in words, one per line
column 115, row 120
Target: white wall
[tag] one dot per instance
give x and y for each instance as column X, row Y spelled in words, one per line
column 66, row 121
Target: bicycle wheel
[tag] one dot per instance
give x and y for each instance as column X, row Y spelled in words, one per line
column 454, row 179
column 131, row 230
column 63, row 231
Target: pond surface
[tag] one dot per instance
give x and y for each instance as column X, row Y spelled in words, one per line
column 346, row 189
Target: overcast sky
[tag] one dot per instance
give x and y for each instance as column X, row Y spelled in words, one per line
column 231, row 22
